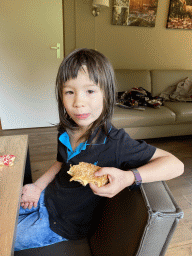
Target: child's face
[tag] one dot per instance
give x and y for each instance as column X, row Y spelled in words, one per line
column 83, row 99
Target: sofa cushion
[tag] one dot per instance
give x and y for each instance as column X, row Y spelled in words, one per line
column 183, row 111
column 127, row 79
column 123, row 118
column 161, row 79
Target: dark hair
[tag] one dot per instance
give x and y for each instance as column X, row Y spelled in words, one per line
column 100, row 71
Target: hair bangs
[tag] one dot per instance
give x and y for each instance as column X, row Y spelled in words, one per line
column 73, row 65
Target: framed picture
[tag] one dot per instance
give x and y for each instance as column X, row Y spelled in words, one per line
column 141, row 13
column 180, row 14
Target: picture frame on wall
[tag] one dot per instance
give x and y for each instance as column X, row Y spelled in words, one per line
column 141, row 13
column 180, row 14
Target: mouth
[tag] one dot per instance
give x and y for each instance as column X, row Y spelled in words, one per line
column 82, row 116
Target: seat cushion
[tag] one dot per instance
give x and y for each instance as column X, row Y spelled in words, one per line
column 183, row 111
column 123, row 118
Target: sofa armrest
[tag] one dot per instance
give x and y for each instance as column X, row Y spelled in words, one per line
column 163, row 217
column 139, row 222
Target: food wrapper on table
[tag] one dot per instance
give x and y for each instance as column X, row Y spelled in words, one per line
column 7, row 160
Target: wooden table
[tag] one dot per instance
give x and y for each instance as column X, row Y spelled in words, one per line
column 11, row 182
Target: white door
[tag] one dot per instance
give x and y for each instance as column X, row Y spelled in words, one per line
column 28, row 65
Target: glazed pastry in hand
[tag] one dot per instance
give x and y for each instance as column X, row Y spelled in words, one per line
column 84, row 173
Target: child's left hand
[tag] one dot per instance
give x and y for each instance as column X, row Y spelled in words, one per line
column 118, row 180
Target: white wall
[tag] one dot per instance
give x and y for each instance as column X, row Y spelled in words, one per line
column 28, row 66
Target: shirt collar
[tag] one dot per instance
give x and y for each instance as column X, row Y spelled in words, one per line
column 64, row 139
column 101, row 137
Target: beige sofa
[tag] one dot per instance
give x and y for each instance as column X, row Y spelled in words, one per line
column 172, row 119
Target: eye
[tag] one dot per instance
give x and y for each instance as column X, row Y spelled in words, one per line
column 68, row 92
column 90, row 91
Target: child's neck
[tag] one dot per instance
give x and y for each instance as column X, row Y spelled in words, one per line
column 75, row 137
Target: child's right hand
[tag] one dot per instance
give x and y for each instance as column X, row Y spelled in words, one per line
column 30, row 196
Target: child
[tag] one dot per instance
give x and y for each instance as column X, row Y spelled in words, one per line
column 54, row 209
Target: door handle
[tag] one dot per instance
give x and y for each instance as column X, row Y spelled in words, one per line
column 58, row 50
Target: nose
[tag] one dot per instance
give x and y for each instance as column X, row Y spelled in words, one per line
column 79, row 100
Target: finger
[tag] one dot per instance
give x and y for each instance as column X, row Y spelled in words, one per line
column 110, row 172
column 26, row 206
column 23, row 200
column 35, row 204
column 102, row 191
column 30, row 205
column 22, row 204
column 93, row 186
column 103, row 171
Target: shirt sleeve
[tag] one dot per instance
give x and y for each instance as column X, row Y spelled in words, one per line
column 132, row 153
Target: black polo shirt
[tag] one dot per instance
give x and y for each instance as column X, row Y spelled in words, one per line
column 70, row 205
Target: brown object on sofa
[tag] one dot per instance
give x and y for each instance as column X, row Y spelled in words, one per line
column 133, row 223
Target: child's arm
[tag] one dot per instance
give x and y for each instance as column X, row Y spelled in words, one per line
column 47, row 177
column 162, row 166
column 32, row 192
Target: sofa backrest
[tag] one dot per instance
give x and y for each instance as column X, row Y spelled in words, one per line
column 127, row 79
column 161, row 79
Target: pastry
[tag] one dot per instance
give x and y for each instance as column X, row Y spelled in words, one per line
column 84, row 173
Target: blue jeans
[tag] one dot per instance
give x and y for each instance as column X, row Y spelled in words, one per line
column 33, row 228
